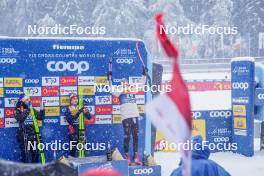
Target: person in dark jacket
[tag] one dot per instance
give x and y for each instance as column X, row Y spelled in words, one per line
column 26, row 130
column 200, row 164
column 72, row 117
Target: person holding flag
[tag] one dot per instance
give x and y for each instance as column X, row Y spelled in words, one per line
column 72, row 117
column 129, row 113
column 26, row 132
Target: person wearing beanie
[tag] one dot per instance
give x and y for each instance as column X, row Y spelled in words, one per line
column 72, row 117
column 26, row 131
column 129, row 114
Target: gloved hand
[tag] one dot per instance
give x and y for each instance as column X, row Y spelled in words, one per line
column 145, row 71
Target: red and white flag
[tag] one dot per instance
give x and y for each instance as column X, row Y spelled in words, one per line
column 171, row 112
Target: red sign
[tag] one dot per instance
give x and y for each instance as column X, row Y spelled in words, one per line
column 103, row 110
column 89, row 122
column 115, row 100
column 35, row 101
column 68, row 81
column 50, row 91
column 2, row 123
column 207, row 86
column 9, row 112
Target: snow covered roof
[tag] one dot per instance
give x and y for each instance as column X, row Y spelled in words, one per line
column 252, row 59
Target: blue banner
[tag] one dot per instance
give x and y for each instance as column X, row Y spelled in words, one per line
column 145, row 170
column 52, row 69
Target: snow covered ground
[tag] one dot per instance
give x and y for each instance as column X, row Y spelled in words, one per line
column 235, row 164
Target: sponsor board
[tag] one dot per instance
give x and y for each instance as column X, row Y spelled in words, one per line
column 240, row 122
column 240, row 70
column 89, row 122
column 63, row 121
column 1, row 82
column 88, row 100
column 31, row 81
column 1, row 102
column 135, row 80
column 103, row 119
column 239, row 110
column 71, row 66
column 240, row 132
column 86, row 80
column 141, row 109
column 101, row 80
column 198, row 128
column 50, row 81
column 124, row 60
column 116, row 109
column 91, row 109
column 208, row 86
column 1, row 92
column 2, row 113
column 220, row 114
column 115, row 100
column 87, row 90
column 33, row 91
column 240, row 85
column 106, row 99
column 117, row 119
column 241, row 100
column 196, row 114
column 13, row 92
column 11, row 123
column 68, row 81
column 10, row 102
column 13, row 82
column 52, row 111
column 103, row 110
column 2, row 123
column 51, row 101
column 50, row 91
column 51, row 120
column 140, row 99
column 65, row 101
column 36, row 101
column 66, row 91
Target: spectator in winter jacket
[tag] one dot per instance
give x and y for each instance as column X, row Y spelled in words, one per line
column 200, row 164
column 72, row 116
column 26, row 133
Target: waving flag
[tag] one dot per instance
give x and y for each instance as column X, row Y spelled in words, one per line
column 171, row 112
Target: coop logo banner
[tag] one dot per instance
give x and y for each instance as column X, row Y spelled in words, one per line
column 103, row 119
column 100, row 100
column 221, row 114
column 13, row 82
column 86, row 80
column 8, row 61
column 259, row 94
column 50, row 81
column 33, row 91
column 31, row 81
column 71, row 66
column 196, row 114
column 88, row 100
column 240, row 85
column 124, row 60
column 51, row 120
column 10, row 102
column 51, row 101
column 66, row 91
column 13, row 92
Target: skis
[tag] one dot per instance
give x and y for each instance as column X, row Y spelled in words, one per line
column 81, row 126
column 38, row 135
column 25, row 143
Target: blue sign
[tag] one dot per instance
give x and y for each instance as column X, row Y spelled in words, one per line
column 145, row 170
column 54, row 68
column 242, row 80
